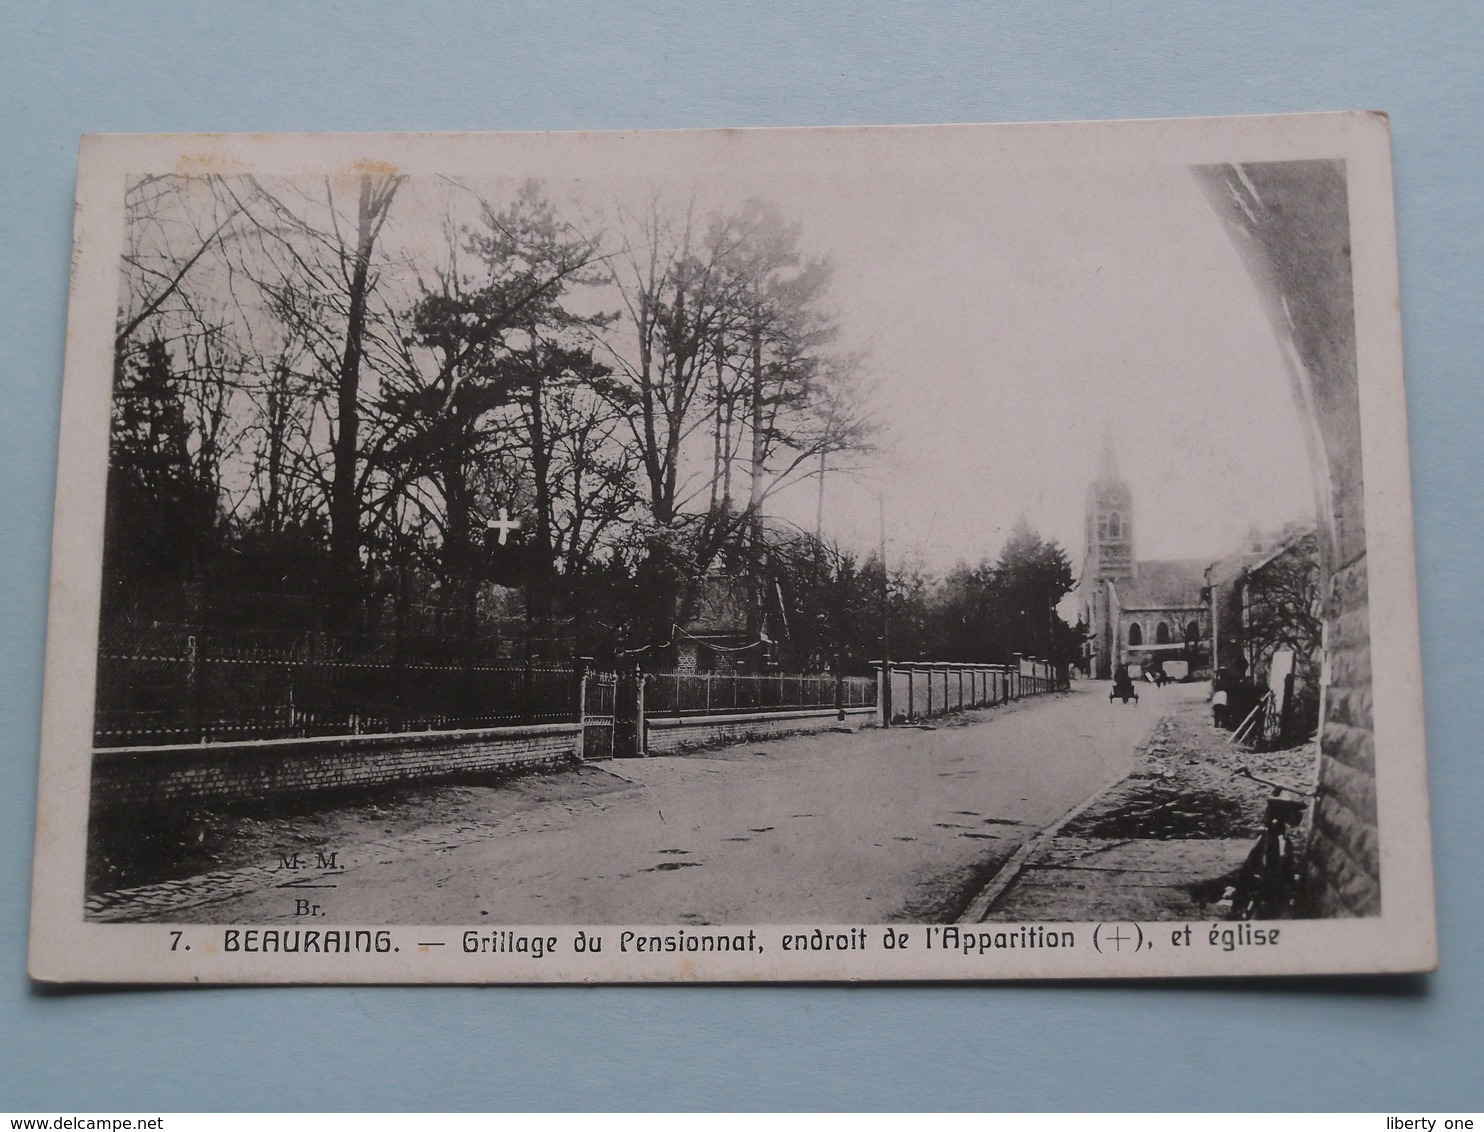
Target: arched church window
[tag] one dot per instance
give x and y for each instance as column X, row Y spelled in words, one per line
column 1193, row 631
column 1135, row 634
column 1162, row 633
column 1115, row 526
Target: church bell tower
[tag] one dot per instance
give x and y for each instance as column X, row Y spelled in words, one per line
column 1110, row 522
column 1108, row 561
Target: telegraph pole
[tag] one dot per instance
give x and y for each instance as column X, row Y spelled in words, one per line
column 885, row 621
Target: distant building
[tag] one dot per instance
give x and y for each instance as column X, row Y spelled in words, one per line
column 1266, row 601
column 1142, row 613
column 724, row 633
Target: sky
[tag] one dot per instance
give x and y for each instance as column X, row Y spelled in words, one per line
column 1007, row 322
column 1008, row 313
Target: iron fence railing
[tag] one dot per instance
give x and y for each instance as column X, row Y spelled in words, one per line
column 722, row 693
column 222, row 694
column 193, row 694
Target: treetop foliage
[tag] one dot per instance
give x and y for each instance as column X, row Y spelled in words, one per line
column 336, row 387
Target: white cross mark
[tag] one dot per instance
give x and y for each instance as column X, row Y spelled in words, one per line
column 504, row 524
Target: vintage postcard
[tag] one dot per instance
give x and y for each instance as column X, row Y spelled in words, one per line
column 944, row 552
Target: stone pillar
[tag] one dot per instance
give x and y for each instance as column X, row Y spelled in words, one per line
column 583, row 666
column 641, row 748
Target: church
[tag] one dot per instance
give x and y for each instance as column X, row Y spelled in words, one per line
column 1144, row 614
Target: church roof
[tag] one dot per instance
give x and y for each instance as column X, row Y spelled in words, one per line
column 1164, row 583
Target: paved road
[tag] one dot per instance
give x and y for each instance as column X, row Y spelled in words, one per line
column 863, row 828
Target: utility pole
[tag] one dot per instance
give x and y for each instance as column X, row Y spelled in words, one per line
column 885, row 620
column 1215, row 629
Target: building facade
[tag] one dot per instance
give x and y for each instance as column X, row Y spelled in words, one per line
column 727, row 632
column 1142, row 614
column 1267, row 601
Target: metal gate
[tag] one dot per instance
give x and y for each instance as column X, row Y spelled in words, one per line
column 611, row 712
column 628, row 716
column 598, row 693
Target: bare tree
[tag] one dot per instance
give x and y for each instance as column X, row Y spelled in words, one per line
column 175, row 315
column 165, row 241
column 375, row 199
column 1282, row 608
column 795, row 398
column 676, row 290
column 308, row 274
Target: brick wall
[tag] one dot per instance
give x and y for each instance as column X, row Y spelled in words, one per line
column 667, row 736
column 156, row 776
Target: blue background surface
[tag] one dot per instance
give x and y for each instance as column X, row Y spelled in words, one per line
column 66, row 69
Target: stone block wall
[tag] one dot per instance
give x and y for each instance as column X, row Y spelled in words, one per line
column 1344, row 845
column 254, row 771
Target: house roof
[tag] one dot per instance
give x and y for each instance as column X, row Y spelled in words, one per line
column 1164, row 583
column 1226, row 571
column 1293, row 541
column 721, row 606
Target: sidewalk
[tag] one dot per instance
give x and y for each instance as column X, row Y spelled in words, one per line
column 1162, row 843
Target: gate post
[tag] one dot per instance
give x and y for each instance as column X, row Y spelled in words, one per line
column 639, row 747
column 883, row 693
column 583, row 666
column 194, row 714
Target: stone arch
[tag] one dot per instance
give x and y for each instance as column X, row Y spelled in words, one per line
column 1290, row 224
column 1162, row 633
column 1135, row 634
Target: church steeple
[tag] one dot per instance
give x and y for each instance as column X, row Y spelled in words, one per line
column 1110, row 520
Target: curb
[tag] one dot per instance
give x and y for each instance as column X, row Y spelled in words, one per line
column 980, row 906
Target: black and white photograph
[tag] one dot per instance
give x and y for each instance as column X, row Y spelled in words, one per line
column 924, row 552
